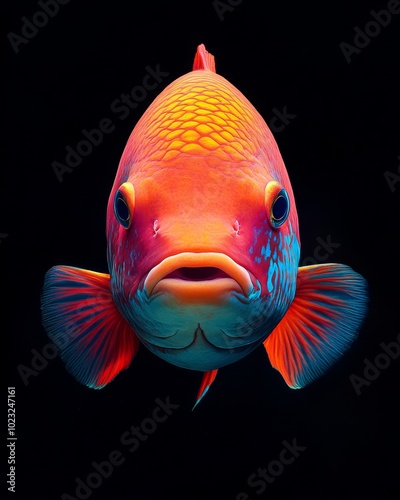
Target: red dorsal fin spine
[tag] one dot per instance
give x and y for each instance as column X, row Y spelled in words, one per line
column 203, row 59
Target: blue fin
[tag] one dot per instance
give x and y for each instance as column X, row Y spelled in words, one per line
column 321, row 323
column 80, row 317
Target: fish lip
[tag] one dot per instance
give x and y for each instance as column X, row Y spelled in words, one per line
column 221, row 261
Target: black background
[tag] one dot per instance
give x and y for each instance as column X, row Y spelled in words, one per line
column 344, row 137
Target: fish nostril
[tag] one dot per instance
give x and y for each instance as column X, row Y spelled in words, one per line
column 156, row 227
column 236, row 226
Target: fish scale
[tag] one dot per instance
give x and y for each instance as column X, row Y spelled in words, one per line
column 199, row 120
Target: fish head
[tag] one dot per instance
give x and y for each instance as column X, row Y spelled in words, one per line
column 202, row 228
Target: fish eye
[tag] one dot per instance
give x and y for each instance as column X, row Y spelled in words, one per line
column 277, row 203
column 122, row 210
column 124, row 204
column 280, row 208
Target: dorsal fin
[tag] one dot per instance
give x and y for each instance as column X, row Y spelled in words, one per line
column 203, row 59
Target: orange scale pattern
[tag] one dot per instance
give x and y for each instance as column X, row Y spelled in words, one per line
column 202, row 114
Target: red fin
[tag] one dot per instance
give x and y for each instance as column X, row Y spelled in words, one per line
column 321, row 323
column 80, row 317
column 203, row 59
column 208, row 379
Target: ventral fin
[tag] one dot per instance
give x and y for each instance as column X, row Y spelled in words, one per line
column 208, row 379
column 321, row 323
column 203, row 59
column 80, row 317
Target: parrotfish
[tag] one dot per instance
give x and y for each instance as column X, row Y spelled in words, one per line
column 203, row 252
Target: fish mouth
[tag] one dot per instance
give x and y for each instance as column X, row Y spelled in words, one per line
column 191, row 275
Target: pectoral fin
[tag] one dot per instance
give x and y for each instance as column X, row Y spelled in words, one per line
column 80, row 317
column 321, row 323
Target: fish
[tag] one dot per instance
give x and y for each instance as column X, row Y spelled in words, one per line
column 203, row 252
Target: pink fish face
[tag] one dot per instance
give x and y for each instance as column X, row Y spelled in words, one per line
column 203, row 251
column 202, row 229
